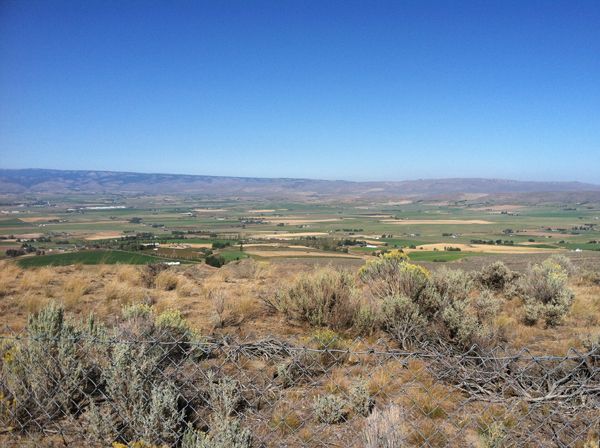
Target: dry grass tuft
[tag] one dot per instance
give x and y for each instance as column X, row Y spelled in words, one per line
column 228, row 310
column 74, row 288
column 128, row 274
column 167, row 280
column 37, row 278
column 8, row 275
column 428, row 433
column 185, row 287
column 385, row 429
column 32, row 302
column 285, row 419
column 123, row 294
column 385, row 381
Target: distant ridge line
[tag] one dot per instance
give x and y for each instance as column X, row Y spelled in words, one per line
column 33, row 180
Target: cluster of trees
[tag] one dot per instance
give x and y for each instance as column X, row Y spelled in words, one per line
column 25, row 248
column 494, row 242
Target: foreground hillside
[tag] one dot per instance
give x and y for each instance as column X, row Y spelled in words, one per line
column 259, row 354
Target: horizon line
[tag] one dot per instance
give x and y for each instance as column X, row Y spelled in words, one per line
column 304, row 178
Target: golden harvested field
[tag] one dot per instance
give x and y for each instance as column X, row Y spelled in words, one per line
column 406, row 222
column 487, row 248
column 298, row 253
column 39, row 218
column 187, row 245
column 209, row 210
column 500, row 208
column 104, row 235
column 296, row 221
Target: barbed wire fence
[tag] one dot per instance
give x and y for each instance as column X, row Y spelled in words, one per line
column 174, row 389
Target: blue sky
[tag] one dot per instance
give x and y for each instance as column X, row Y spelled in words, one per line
column 353, row 90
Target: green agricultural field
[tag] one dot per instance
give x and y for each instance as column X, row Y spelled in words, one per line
column 291, row 226
column 231, row 254
column 88, row 257
column 439, row 256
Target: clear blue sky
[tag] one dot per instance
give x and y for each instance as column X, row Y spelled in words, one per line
column 322, row 89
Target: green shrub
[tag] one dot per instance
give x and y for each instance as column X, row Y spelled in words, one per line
column 486, row 305
column 546, row 293
column 452, row 284
column 402, row 319
column 367, row 318
column 171, row 319
column 324, row 298
column 44, row 376
column 215, row 261
column 224, row 433
column 142, row 403
column 226, row 430
column 496, row 276
column 361, row 401
column 330, row 409
column 137, row 310
column 393, row 276
column 462, row 326
column 564, row 262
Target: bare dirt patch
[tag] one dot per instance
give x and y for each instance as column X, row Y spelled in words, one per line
column 545, row 234
column 298, row 253
column 187, row 245
column 500, row 208
column 490, row 249
column 27, row 236
column 104, row 235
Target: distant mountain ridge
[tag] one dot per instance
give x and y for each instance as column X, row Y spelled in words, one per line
column 22, row 181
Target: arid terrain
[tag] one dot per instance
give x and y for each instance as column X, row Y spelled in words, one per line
column 411, row 322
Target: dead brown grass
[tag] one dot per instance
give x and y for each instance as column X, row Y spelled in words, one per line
column 37, row 278
column 166, row 280
column 9, row 272
column 128, row 274
column 122, row 293
column 74, row 288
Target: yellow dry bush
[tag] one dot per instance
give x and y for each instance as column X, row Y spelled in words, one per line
column 128, row 274
column 8, row 275
column 285, row 419
column 37, row 278
column 392, row 276
column 33, row 302
column 74, row 288
column 185, row 287
column 585, row 310
column 166, row 280
column 123, row 294
column 229, row 310
column 245, row 307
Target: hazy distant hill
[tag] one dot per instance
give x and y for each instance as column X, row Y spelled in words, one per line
column 59, row 181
